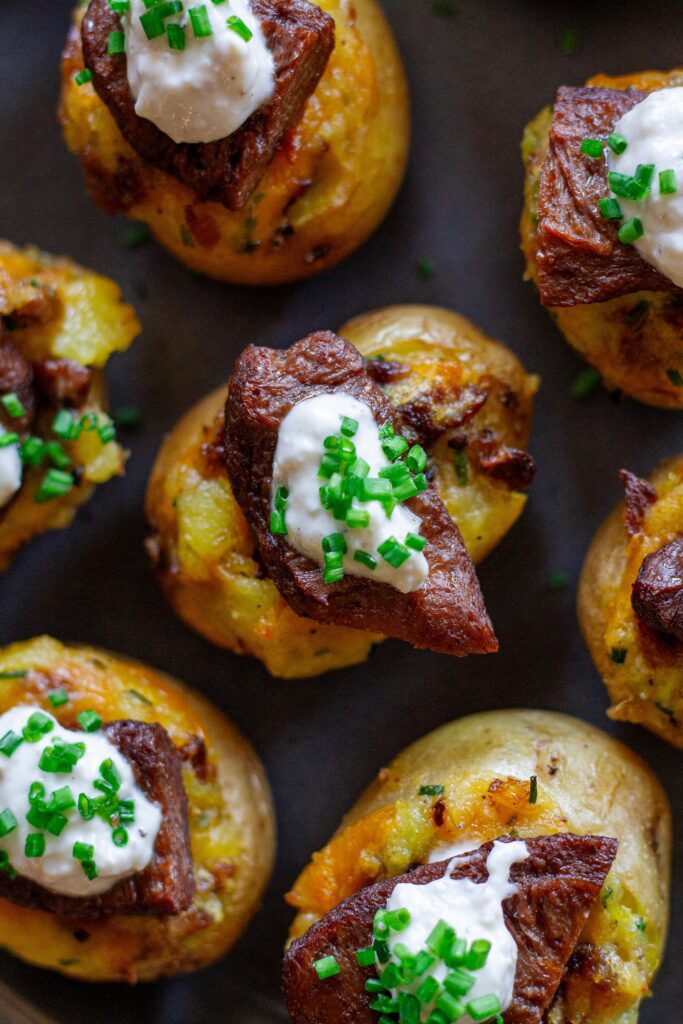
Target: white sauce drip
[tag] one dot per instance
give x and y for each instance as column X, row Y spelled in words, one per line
column 207, row 90
column 654, row 132
column 475, row 911
column 57, row 869
column 10, row 474
column 295, row 466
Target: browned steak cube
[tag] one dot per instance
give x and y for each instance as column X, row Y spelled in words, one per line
column 556, row 887
column 301, row 38
column 166, row 886
column 579, row 256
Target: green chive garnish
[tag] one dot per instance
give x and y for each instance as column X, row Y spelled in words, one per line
column 365, row 559
column 610, row 209
column 675, row 377
column 349, row 426
column 55, row 484
column 277, row 523
column 9, row 743
column 631, row 231
column 617, row 143
column 592, row 147
column 644, row 174
column 12, row 405
column 414, row 541
column 477, row 954
column 199, row 19
column 83, row 77
column 119, row 837
column 484, row 1007
column 358, row 518
column 667, row 182
column 8, row 823
column 585, row 383
column 89, row 721
column 8, row 439
column 393, row 552
column 14, row 673
column 618, row 655
column 365, row 957
column 533, row 789
column 34, row 845
column 116, row 43
column 326, row 967
column 625, row 186
column 237, row 25
column 430, row 790
column 461, row 467
column 176, row 37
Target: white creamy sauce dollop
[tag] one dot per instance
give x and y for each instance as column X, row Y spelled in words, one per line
column 207, row 90
column 653, row 130
column 475, row 911
column 10, row 474
column 295, row 466
column 57, row 869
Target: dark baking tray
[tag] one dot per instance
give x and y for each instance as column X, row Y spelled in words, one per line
column 476, row 77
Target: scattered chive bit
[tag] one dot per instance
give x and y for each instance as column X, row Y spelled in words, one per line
column 152, row 24
column 89, row 721
column 569, row 41
column 116, row 43
column 533, row 789
column 640, row 923
column 618, row 655
column 34, row 845
column 461, row 466
column 393, row 552
column 9, row 743
column 626, row 186
column 414, row 541
column 617, row 143
column 557, row 581
column 55, row 484
column 236, row 25
column 592, row 147
column 644, row 174
column 365, row 957
column 83, row 77
column 14, row 673
column 636, row 314
column 483, row 1007
column 426, row 269
column 430, row 791
column 675, row 377
column 610, row 209
column 186, row 236
column 365, row 559
column 176, row 37
column 119, row 6
column 8, row 439
column 631, row 230
column 7, row 823
column 326, row 967
column 127, row 417
column 585, row 383
column 12, row 405
column 137, row 234
column 667, row 182
column 199, row 19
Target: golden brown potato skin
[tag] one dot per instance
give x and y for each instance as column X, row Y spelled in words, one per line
column 204, row 551
column 587, row 783
column 351, row 146
column 634, row 340
column 647, row 686
column 231, row 821
column 82, row 319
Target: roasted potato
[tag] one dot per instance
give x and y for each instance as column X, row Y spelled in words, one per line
column 58, row 310
column 633, row 340
column 325, row 192
column 231, row 821
column 204, row 551
column 643, row 674
column 586, row 783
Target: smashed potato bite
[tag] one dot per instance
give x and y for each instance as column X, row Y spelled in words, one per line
column 434, row 366
column 61, row 323
column 642, row 666
column 634, row 341
column 470, row 782
column 328, row 187
column 231, row 819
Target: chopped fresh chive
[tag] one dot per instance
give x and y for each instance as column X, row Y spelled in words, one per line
column 12, row 405
column 618, row 655
column 393, row 552
column 631, row 230
column 617, row 143
column 610, row 209
column 199, row 19
column 137, row 234
column 450, row 1006
column 32, row 451
column 592, row 147
column 397, row 472
column 365, row 559
column 85, row 807
column 406, row 489
column 414, row 541
column 349, row 426
column 357, row 518
column 34, row 845
column 385, row 431
column 8, row 439
column 54, row 484
column 625, row 186
column 477, row 954
column 90, row 869
column 56, row 824
column 238, row 26
column 326, row 967
column 667, row 182
column 64, row 426
column 585, row 383
column 375, row 489
column 281, row 497
column 83, row 77
column 176, row 36
column 397, row 920
column 644, row 174
column 152, row 24
column 426, row 269
column 63, row 799
column 427, row 990
column 119, row 6
column 461, row 466
column 423, row 961
column 9, row 743
column 277, row 523
column 394, row 447
column 458, row 982
column 82, row 851
column 106, row 433
column 57, row 455
column 374, row 985
column 89, row 721
column 119, row 836
column 431, row 791
column 38, row 724
column 382, row 951
column 483, row 1007
column 675, row 377
column 127, row 417
column 14, row 673
column 416, row 459
column 440, row 938
column 7, row 823
column 533, row 789
column 116, row 43
column 334, row 542
column 640, row 923
column 365, row 957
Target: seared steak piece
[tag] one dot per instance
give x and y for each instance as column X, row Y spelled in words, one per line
column 447, row 612
column 556, row 888
column 16, row 376
column 167, row 885
column 579, row 256
column 63, row 381
column 657, row 594
column 511, row 466
column 301, row 38
column 638, row 496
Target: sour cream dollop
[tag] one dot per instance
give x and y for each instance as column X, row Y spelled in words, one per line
column 10, row 474
column 475, row 911
column 57, row 869
column 207, row 90
column 653, row 130
column 297, row 459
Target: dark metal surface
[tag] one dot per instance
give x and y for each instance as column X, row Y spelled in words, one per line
column 476, row 78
